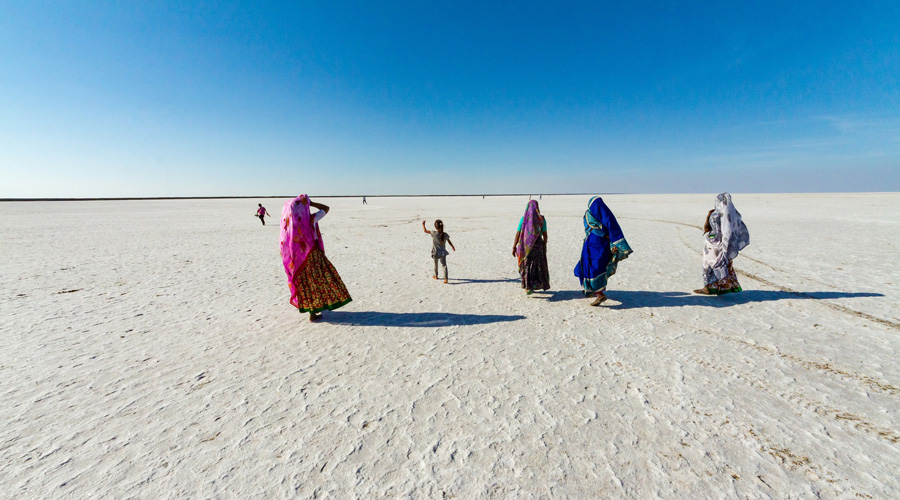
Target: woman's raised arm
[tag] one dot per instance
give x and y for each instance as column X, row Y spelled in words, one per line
column 319, row 206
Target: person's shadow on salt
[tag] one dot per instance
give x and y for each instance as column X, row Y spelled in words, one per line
column 460, row 281
column 631, row 299
column 559, row 295
column 414, row 320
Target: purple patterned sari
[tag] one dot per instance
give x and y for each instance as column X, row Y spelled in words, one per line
column 531, row 251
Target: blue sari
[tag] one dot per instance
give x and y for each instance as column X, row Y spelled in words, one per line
column 604, row 246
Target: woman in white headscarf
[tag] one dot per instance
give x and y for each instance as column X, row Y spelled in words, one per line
column 725, row 235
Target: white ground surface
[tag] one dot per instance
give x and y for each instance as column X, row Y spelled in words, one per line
column 148, row 350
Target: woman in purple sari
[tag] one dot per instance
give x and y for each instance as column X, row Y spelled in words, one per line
column 530, row 250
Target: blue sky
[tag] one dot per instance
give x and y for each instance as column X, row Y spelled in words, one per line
column 268, row 98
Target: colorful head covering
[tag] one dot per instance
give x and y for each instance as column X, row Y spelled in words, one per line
column 299, row 235
column 728, row 227
column 600, row 220
column 531, row 231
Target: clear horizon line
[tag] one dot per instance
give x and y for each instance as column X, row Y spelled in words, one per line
column 138, row 198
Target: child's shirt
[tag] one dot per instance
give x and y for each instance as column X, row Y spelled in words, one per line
column 438, row 248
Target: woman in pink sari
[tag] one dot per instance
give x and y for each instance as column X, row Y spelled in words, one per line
column 314, row 282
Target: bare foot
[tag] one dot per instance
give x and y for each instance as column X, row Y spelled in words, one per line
column 434, row 277
column 445, row 280
column 702, row 291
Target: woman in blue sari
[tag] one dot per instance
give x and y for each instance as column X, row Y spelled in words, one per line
column 604, row 246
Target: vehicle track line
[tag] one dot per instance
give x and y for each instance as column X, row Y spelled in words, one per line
column 836, row 307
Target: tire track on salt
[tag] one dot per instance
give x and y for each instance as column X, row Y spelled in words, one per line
column 837, row 307
column 816, row 406
column 706, row 416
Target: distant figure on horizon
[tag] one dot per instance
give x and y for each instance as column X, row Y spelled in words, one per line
column 724, row 236
column 261, row 212
column 364, row 201
column 530, row 249
column 314, row 282
column 541, row 196
column 604, row 246
column 438, row 249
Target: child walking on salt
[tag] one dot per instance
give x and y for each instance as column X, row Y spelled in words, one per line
column 438, row 250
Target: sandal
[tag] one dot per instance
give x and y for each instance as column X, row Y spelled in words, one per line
column 313, row 317
column 601, row 298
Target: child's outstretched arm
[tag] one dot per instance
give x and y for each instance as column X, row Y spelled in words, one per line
column 425, row 229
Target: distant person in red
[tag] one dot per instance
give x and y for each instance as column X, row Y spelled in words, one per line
column 261, row 212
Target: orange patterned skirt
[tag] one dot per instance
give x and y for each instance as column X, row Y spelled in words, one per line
column 319, row 285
